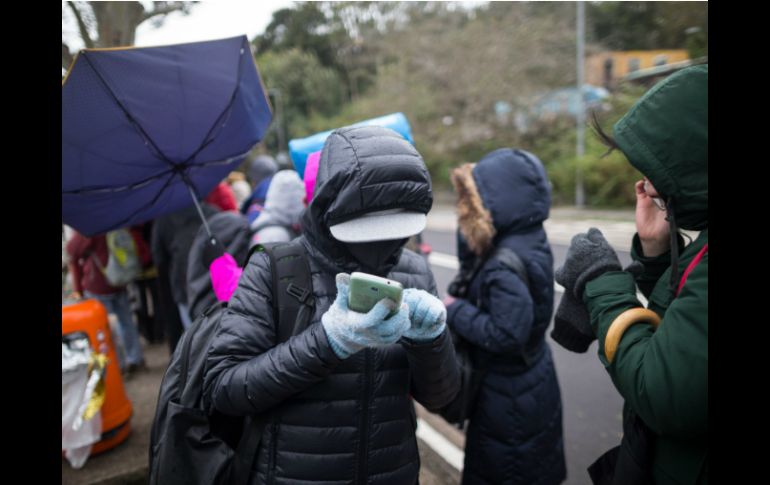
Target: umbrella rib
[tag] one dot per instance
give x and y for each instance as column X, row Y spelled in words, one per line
column 228, row 108
column 149, row 204
column 147, row 181
column 207, row 141
column 131, row 119
column 137, row 185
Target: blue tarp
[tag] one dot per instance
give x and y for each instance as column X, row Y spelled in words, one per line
column 300, row 148
column 566, row 100
column 141, row 125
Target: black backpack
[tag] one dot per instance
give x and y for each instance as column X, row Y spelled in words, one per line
column 188, row 444
column 472, row 368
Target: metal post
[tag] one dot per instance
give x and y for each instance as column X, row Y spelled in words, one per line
column 194, row 195
column 279, row 117
column 580, row 195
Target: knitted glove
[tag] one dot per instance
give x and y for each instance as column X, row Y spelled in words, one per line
column 588, row 256
column 572, row 325
column 426, row 313
column 349, row 331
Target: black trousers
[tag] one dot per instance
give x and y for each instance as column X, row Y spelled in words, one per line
column 144, row 295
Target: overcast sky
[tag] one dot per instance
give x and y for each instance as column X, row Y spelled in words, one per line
column 210, row 19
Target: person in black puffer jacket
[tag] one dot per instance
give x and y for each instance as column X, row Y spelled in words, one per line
column 339, row 408
column 515, row 430
column 172, row 237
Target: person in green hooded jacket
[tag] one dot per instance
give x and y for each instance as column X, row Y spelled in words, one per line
column 657, row 356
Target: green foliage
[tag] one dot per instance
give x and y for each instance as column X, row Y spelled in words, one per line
column 445, row 68
column 646, row 25
column 306, row 89
column 697, row 44
column 303, row 27
column 609, row 179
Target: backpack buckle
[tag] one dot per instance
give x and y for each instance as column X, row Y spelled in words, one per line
column 297, row 292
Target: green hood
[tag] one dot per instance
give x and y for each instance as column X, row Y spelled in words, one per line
column 665, row 136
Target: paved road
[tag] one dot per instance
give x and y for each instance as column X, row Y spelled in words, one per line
column 592, row 407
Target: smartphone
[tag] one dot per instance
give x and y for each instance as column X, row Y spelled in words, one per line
column 366, row 290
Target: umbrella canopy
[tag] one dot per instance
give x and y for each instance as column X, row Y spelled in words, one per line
column 301, row 148
column 144, row 128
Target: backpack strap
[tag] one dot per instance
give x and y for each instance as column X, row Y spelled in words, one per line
column 692, row 266
column 512, row 261
column 292, row 286
column 187, row 339
column 247, row 449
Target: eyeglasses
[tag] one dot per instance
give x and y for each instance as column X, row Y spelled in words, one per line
column 656, row 200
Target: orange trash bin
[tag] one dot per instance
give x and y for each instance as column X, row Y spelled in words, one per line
column 90, row 317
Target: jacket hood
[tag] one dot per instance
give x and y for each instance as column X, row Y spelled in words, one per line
column 283, row 202
column 665, row 136
column 506, row 192
column 363, row 169
column 260, row 168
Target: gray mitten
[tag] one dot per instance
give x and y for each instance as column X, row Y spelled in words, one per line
column 589, row 256
column 572, row 325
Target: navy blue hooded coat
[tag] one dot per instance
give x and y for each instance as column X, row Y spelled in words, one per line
column 515, row 431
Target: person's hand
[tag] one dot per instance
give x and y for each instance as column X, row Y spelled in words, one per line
column 349, row 331
column 448, row 300
column 588, row 256
column 75, row 295
column 426, row 313
column 212, row 250
column 572, row 324
column 651, row 224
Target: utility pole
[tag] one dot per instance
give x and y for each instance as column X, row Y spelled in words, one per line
column 580, row 196
column 277, row 95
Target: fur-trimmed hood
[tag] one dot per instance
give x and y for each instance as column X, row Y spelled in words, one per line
column 506, row 192
column 474, row 220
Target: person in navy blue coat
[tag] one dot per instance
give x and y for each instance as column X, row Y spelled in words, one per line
column 515, row 431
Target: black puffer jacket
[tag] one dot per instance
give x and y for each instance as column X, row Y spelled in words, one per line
column 335, row 421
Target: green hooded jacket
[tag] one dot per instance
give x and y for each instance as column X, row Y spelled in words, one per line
column 663, row 374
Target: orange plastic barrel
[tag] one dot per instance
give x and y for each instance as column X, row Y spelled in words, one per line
column 90, row 317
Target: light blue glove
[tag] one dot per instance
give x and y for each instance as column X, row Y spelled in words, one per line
column 349, row 331
column 426, row 313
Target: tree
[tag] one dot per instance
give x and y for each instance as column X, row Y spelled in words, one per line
column 342, row 35
column 646, row 25
column 112, row 24
column 359, row 28
column 306, row 88
column 304, row 27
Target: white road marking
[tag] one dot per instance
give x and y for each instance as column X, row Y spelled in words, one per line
column 442, row 446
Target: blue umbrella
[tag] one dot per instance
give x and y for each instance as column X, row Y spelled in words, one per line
column 148, row 131
column 300, row 148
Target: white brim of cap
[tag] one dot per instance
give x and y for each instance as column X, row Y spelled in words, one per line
column 380, row 226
